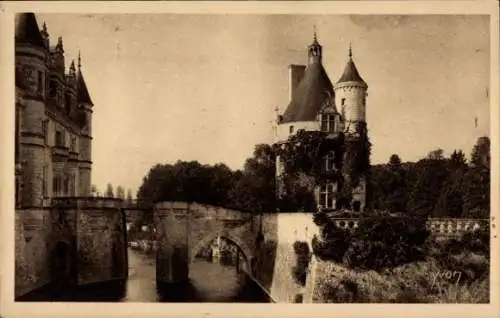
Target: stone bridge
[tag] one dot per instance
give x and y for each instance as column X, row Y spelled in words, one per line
column 183, row 229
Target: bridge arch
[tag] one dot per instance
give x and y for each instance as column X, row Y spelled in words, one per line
column 244, row 248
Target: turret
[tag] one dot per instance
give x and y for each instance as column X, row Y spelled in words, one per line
column 30, row 60
column 315, row 51
column 350, row 95
column 85, row 106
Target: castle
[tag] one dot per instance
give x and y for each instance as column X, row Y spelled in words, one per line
column 313, row 107
column 63, row 236
column 53, row 119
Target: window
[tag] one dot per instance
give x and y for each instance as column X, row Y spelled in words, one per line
column 53, row 89
column 66, row 184
column 67, row 102
column 329, row 163
column 291, row 129
column 44, row 181
column 73, row 185
column 73, row 144
column 40, row 82
column 328, row 122
column 55, row 185
column 45, row 131
column 59, row 142
column 342, row 102
column 326, row 196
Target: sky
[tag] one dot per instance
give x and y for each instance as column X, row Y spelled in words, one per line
column 170, row 87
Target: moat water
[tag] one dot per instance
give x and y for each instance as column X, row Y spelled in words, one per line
column 208, row 282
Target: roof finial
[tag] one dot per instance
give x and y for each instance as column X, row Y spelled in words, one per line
column 79, row 60
column 315, row 37
column 350, row 50
column 44, row 28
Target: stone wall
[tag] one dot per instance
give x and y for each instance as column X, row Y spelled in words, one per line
column 101, row 241
column 276, row 260
column 172, row 253
column 32, row 250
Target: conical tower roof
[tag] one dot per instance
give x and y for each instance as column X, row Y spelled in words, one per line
column 82, row 93
column 27, row 30
column 351, row 73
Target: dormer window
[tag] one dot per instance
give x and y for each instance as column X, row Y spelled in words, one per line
column 328, row 122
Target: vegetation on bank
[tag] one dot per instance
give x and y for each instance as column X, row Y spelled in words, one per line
column 441, row 276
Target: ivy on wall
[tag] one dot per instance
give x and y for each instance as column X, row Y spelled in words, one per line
column 303, row 159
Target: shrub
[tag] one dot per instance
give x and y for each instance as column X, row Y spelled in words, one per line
column 333, row 243
column 303, row 256
column 386, row 243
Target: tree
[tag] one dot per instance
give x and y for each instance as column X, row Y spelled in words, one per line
column 120, row 192
column 476, row 192
column 397, row 192
column 129, row 196
column 109, row 191
column 481, row 152
column 457, row 159
column 395, row 161
column 436, row 154
column 431, row 174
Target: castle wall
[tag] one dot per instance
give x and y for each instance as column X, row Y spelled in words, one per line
column 283, row 130
column 101, row 242
column 276, row 258
column 32, row 250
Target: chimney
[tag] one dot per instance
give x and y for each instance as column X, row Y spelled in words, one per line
column 296, row 73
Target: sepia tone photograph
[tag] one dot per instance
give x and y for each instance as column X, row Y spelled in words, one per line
column 252, row 158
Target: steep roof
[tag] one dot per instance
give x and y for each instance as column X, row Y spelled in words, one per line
column 27, row 30
column 82, row 93
column 351, row 73
column 313, row 90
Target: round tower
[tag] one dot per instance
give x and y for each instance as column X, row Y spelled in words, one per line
column 30, row 60
column 350, row 95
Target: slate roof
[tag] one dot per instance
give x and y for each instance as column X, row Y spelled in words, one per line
column 82, row 93
column 351, row 73
column 27, row 30
column 312, row 91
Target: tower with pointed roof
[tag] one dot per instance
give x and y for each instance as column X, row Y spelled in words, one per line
column 318, row 105
column 53, row 117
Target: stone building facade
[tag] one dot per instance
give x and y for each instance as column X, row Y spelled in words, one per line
column 318, row 105
column 64, row 237
column 53, row 119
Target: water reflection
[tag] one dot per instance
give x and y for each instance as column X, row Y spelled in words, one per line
column 209, row 282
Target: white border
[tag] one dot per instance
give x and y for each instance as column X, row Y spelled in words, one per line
column 10, row 309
